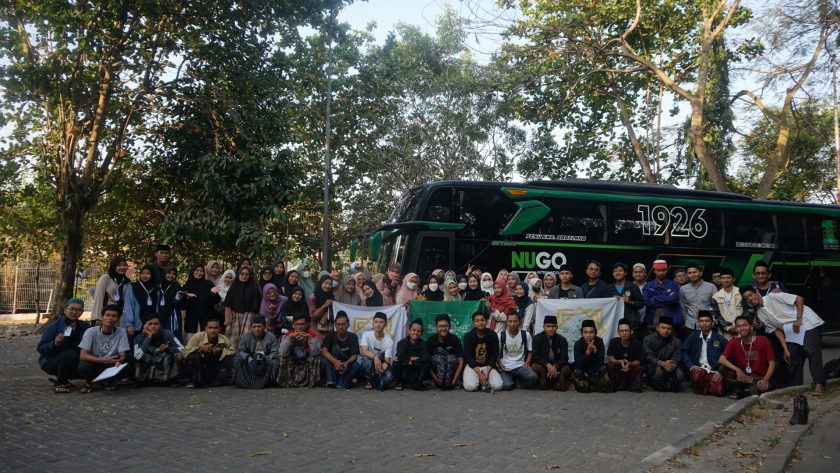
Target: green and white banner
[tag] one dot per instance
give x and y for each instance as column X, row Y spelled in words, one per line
column 460, row 312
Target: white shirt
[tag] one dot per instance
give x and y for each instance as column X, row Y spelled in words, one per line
column 704, row 359
column 513, row 351
column 779, row 309
column 378, row 347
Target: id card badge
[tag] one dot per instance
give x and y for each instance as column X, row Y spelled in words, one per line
column 748, row 370
column 68, row 331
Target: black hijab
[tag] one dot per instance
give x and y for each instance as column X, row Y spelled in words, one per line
column 144, row 292
column 301, row 307
column 120, row 279
column 278, row 277
column 169, row 290
column 523, row 302
column 320, row 295
column 476, row 294
column 376, row 299
column 243, row 296
column 262, row 281
column 433, row 295
column 287, row 287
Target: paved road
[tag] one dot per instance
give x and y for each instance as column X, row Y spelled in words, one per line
column 229, row 429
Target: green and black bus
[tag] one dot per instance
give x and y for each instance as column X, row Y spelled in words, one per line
column 540, row 225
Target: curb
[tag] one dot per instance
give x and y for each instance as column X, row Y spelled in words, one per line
column 673, row 449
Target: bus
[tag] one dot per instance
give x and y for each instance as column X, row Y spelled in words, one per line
column 537, row 226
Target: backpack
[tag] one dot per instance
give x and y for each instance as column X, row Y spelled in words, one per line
column 524, row 336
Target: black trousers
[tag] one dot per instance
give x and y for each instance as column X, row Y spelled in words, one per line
column 411, row 374
column 812, row 350
column 64, row 366
column 208, row 369
column 89, row 371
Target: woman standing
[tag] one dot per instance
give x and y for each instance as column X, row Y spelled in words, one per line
column 214, row 272
column 306, row 282
column 241, row 303
column 500, row 304
column 433, row 290
column 296, row 304
column 474, row 291
column 450, row 291
column 408, row 289
column 141, row 300
column 266, row 276
column 373, row 298
column 291, row 281
column 320, row 305
column 347, row 293
column 199, row 299
column 224, row 284
column 170, row 316
column 273, row 307
column 110, row 288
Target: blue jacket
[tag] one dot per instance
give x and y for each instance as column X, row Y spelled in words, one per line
column 47, row 348
column 600, row 289
column 693, row 344
column 666, row 296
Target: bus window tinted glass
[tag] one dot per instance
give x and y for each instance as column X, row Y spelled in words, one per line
column 433, row 254
column 697, row 227
column 632, row 226
column 826, row 234
column 439, row 206
column 754, row 230
column 484, row 211
column 571, row 221
column 793, row 232
column 404, row 211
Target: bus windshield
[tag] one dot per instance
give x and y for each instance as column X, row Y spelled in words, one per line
column 406, row 207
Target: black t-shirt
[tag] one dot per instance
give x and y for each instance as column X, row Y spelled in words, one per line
column 563, row 293
column 341, row 350
column 635, row 352
column 451, row 344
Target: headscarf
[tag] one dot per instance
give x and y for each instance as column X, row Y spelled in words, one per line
column 556, row 282
column 144, row 291
column 351, row 298
column 503, row 303
column 307, row 284
column 168, row 291
column 278, row 279
column 404, row 293
column 481, row 279
column 376, row 299
column 300, row 307
column 523, row 302
column 449, row 276
column 322, row 296
column 278, row 312
column 446, row 296
column 434, row 295
column 224, row 288
column 209, row 265
column 120, row 279
column 502, row 274
column 243, row 296
column 287, row 286
column 262, row 281
column 476, row 294
column 531, row 275
column 533, row 292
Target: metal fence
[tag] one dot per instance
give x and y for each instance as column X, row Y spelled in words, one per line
column 21, row 280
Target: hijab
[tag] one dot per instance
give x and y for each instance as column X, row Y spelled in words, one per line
column 147, row 294
column 434, row 295
column 523, row 302
column 449, row 298
column 476, row 294
column 503, row 303
column 404, row 293
column 449, row 276
column 224, row 288
column 376, row 299
column 322, row 296
column 287, row 287
column 243, row 296
column 307, row 284
column 120, row 279
column 202, row 288
column 209, row 265
column 489, row 290
column 168, row 291
column 277, row 313
column 533, row 291
column 351, row 298
column 300, row 307
column 262, row 281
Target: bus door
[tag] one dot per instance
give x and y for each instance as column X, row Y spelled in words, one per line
column 433, row 250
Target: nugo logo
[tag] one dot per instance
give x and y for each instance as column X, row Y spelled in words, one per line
column 533, row 260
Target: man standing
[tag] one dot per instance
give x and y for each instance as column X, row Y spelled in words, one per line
column 747, row 363
column 695, row 296
column 726, row 303
column 663, row 354
column 701, row 352
column 59, row 346
column 624, row 359
column 680, row 277
column 390, row 284
column 595, row 286
column 162, row 255
column 516, row 353
column 780, row 309
column 590, row 373
column 551, row 357
column 662, row 298
column 565, row 290
column 630, row 295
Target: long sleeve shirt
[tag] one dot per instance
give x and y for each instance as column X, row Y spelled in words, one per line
column 554, row 351
column 201, row 338
column 250, row 346
column 312, row 345
column 693, row 299
column 406, row 350
column 661, row 349
column 47, row 346
column 481, row 351
column 663, row 297
column 593, row 360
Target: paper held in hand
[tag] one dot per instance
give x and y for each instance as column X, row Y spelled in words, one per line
column 110, row 372
column 793, row 337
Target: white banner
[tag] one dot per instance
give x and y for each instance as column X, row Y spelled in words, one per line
column 606, row 312
column 361, row 319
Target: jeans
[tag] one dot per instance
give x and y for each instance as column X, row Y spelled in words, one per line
column 368, row 370
column 526, row 376
column 341, row 381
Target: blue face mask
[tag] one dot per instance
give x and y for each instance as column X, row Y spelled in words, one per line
column 335, row 283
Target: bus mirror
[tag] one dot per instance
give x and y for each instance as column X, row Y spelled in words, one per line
column 354, row 245
column 529, row 213
column 373, row 245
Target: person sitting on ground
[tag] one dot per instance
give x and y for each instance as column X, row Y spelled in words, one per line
column 589, row 372
column 101, row 348
column 446, row 354
column 551, row 357
column 300, row 356
column 481, row 354
column 778, row 309
column 340, row 354
column 663, row 354
column 157, row 353
column 208, row 356
column 747, row 363
column 256, row 361
column 412, row 359
column 727, row 303
column 701, row 352
column 59, row 346
column 377, row 349
column 515, row 348
column 625, row 356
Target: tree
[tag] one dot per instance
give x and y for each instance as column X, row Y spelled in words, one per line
column 83, row 81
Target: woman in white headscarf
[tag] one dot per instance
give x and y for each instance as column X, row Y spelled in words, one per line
column 225, row 282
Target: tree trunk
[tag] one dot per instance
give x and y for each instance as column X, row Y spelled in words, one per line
column 696, row 135
column 634, row 140
column 765, row 186
column 70, row 254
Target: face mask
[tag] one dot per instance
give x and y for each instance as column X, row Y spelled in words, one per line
column 462, row 285
column 306, row 274
column 335, row 283
column 412, row 285
column 433, row 287
column 486, row 285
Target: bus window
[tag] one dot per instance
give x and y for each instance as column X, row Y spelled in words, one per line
column 754, row 230
column 705, row 227
column 386, row 254
column 793, row 237
column 399, row 249
column 484, row 211
column 404, row 211
column 823, row 234
column 439, row 206
column 632, row 226
column 572, row 221
column 433, row 254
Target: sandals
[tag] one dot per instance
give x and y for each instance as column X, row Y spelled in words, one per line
column 398, row 387
column 368, row 385
column 62, row 388
column 87, row 388
column 109, row 386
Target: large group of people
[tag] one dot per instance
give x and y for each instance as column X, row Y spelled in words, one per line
column 256, row 328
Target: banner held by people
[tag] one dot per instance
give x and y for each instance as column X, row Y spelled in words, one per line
column 361, row 318
column 459, row 311
column 606, row 312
